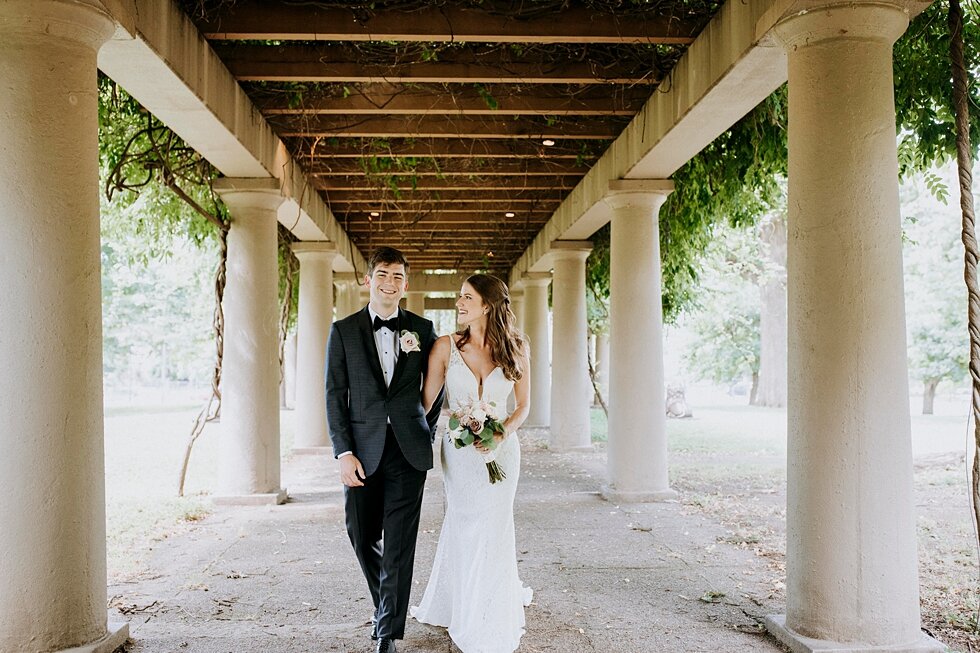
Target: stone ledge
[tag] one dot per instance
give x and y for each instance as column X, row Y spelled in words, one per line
column 776, row 625
column 269, row 499
column 117, row 635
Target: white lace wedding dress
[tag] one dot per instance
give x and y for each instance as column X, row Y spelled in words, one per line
column 474, row 589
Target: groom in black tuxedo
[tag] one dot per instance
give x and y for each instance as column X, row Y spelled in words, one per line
column 376, row 359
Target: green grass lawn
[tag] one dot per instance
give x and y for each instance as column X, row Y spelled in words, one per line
column 143, row 452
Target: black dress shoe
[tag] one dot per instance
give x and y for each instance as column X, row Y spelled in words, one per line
column 386, row 645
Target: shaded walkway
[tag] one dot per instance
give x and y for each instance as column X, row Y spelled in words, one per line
column 606, row 578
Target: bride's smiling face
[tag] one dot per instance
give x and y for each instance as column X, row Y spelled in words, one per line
column 470, row 307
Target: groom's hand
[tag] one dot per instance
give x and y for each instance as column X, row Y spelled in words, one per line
column 351, row 471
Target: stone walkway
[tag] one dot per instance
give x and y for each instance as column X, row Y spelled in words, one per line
column 607, row 578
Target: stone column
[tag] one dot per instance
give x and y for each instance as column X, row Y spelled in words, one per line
column 536, row 328
column 415, row 302
column 571, row 426
column 52, row 466
column 637, row 449
column 363, row 294
column 517, row 304
column 602, row 364
column 851, row 563
column 290, row 381
column 249, row 472
column 315, row 315
column 347, row 294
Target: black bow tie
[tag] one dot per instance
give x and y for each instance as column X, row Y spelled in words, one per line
column 391, row 323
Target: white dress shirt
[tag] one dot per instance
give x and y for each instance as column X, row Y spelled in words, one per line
column 387, row 342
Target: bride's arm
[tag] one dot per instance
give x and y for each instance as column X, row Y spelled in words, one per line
column 522, row 398
column 435, row 375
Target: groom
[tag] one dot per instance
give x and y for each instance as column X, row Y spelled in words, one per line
column 376, row 359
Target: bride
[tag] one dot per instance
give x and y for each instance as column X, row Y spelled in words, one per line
column 474, row 590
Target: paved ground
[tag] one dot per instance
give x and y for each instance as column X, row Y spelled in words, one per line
column 607, row 578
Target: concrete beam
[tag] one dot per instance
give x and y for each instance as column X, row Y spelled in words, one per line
column 160, row 58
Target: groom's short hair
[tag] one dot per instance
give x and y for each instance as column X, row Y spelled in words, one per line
column 388, row 256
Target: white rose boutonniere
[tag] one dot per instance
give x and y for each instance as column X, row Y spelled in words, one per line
column 409, row 342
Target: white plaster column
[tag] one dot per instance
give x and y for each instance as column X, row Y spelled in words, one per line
column 517, row 304
column 571, row 426
column 290, row 380
column 602, row 364
column 52, row 465
column 315, row 315
column 415, row 302
column 536, row 328
column 250, row 460
column 347, row 294
column 637, row 448
column 852, row 581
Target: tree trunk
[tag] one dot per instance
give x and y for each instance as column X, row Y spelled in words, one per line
column 929, row 395
column 754, row 392
column 772, row 318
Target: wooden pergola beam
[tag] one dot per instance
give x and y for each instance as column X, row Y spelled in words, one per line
column 459, row 197
column 495, row 212
column 438, row 147
column 336, row 64
column 454, row 167
column 406, row 184
column 442, row 127
column 254, row 20
column 388, row 99
column 495, row 215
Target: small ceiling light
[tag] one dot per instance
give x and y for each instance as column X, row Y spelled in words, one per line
column 375, row 214
column 509, row 214
column 489, row 254
column 547, row 142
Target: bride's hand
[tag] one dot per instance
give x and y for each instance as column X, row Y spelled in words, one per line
column 498, row 437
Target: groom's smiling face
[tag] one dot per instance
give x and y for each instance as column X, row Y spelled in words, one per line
column 388, row 283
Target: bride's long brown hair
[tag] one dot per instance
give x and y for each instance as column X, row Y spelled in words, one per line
column 507, row 346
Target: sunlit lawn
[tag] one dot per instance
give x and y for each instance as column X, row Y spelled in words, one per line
column 143, row 452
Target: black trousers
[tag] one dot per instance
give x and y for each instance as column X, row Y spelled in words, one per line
column 383, row 525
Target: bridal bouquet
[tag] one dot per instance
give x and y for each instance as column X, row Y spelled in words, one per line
column 474, row 421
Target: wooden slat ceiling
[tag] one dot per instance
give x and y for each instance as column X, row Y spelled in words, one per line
column 451, row 129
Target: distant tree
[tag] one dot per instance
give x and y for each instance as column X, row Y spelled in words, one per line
column 935, row 295
column 725, row 321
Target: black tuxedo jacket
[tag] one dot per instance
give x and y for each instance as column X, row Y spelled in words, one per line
column 359, row 405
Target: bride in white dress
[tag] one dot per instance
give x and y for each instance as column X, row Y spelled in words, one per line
column 474, row 590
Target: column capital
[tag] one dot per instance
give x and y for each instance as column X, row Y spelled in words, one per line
column 249, row 192
column 536, row 279
column 809, row 22
column 84, row 22
column 315, row 249
column 638, row 192
column 570, row 250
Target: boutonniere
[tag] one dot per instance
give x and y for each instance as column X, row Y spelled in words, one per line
column 409, row 341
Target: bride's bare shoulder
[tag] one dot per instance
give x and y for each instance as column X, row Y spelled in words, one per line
column 441, row 346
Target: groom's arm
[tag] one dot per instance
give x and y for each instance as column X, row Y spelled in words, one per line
column 338, row 394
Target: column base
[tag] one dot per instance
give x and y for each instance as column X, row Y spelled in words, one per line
column 315, row 451
column 776, row 625
column 267, row 499
column 117, row 636
column 613, row 495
